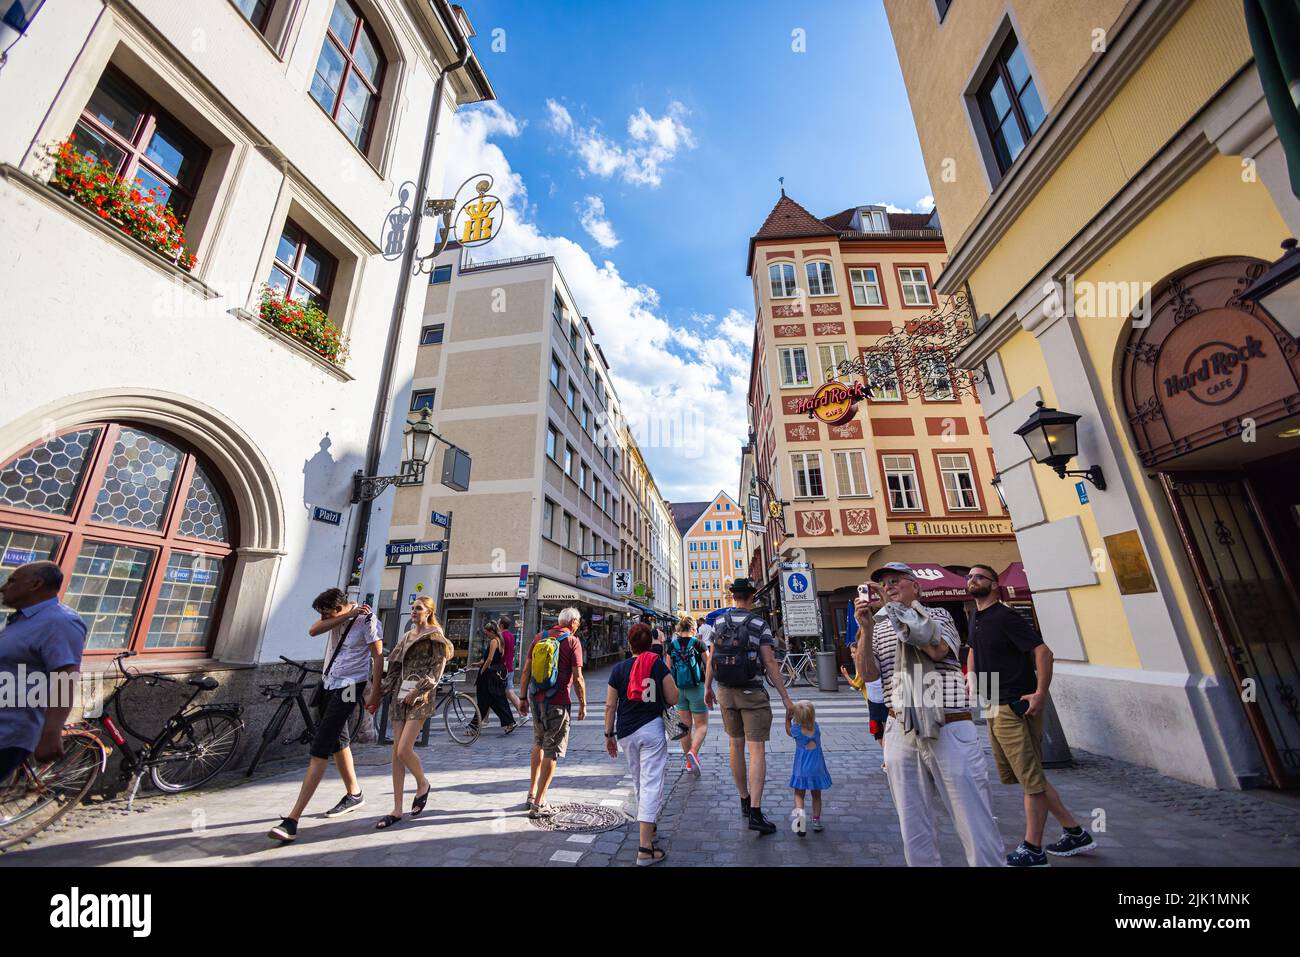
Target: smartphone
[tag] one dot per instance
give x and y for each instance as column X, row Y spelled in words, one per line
column 1020, row 707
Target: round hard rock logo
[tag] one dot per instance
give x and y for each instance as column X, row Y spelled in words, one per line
column 1215, row 372
column 833, row 403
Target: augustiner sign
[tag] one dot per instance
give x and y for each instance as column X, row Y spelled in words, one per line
column 1206, row 364
column 835, row 402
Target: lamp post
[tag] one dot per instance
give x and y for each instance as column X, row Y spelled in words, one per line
column 1278, row 291
column 419, row 442
column 1053, row 439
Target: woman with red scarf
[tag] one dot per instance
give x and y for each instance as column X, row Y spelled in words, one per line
column 640, row 690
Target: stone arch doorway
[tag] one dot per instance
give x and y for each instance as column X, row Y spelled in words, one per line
column 1210, row 388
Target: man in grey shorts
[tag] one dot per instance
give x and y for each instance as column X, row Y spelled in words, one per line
column 550, row 709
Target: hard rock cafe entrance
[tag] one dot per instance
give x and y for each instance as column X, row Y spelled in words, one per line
column 1211, row 388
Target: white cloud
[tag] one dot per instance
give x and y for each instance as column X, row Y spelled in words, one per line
column 653, row 143
column 923, row 205
column 682, row 389
column 591, row 212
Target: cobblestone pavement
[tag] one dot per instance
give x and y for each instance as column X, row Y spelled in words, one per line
column 475, row 814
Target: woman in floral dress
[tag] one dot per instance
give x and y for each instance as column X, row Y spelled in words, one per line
column 414, row 670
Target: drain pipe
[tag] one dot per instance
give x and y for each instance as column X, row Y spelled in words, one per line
column 374, row 447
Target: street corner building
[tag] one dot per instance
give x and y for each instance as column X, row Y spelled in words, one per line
column 1115, row 180
column 562, row 507
column 866, row 444
column 201, row 278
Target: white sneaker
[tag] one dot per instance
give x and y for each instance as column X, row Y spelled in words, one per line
column 799, row 822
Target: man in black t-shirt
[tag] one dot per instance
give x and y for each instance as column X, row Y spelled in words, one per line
column 1009, row 659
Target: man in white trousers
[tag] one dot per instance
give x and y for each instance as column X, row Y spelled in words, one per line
column 931, row 745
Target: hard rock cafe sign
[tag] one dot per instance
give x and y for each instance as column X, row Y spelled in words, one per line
column 835, row 402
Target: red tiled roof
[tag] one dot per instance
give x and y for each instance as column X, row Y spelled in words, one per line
column 841, row 220
column 908, row 220
column 787, row 220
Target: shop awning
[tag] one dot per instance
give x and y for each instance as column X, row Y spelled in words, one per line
column 1014, row 582
column 937, row 582
column 555, row 592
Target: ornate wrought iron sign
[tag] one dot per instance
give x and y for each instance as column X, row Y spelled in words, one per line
column 922, row 352
column 480, row 218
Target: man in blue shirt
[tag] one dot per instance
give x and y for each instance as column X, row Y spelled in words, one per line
column 41, row 637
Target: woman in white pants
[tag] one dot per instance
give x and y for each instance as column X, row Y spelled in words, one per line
column 640, row 689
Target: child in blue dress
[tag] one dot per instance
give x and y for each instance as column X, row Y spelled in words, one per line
column 810, row 773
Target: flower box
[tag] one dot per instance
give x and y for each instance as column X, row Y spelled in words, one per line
column 305, row 322
column 94, row 185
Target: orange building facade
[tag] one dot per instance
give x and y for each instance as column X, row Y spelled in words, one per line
column 908, row 476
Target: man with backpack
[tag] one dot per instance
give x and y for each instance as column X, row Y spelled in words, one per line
column 553, row 663
column 688, row 661
column 742, row 650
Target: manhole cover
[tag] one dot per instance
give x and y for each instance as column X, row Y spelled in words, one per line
column 581, row 819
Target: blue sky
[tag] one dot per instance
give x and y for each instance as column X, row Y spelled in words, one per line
column 643, row 150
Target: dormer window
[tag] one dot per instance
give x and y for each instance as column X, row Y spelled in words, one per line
column 872, row 219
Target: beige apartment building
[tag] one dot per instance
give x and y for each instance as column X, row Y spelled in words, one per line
column 511, row 372
column 906, row 478
column 712, row 551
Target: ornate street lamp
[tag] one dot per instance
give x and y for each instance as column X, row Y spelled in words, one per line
column 1053, row 439
column 419, row 443
column 1278, row 291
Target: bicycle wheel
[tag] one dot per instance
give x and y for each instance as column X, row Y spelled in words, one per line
column 269, row 734
column 460, row 715
column 194, row 752
column 37, row 797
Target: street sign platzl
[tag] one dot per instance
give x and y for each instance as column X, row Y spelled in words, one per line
column 413, row 548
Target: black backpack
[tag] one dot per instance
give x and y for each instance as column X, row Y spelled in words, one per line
column 735, row 660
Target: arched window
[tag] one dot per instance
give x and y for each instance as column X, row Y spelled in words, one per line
column 781, row 277
column 139, row 526
column 350, row 73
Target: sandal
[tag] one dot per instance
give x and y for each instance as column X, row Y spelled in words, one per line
column 417, row 805
column 657, row 854
column 387, row 821
column 510, row 728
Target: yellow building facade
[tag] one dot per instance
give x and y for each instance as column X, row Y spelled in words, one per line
column 1111, row 182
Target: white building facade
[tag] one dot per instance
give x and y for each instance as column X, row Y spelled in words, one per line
column 186, row 461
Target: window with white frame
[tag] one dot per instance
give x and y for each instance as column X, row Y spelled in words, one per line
column 935, row 376
column 901, row 480
column 829, row 357
column 915, row 285
column 821, row 279
column 865, row 283
column 781, row 277
column 794, row 366
column 958, row 482
column 807, row 469
column 568, row 460
column 882, row 376
column 851, row 473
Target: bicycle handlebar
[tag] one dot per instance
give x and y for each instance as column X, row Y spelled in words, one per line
column 299, row 664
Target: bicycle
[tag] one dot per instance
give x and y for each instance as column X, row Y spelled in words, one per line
column 460, row 714
column 796, row 667
column 291, row 693
column 192, row 747
column 38, row 795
